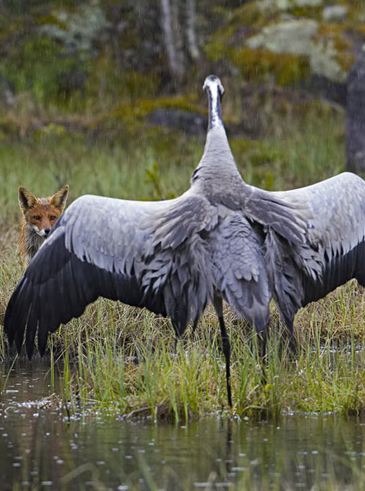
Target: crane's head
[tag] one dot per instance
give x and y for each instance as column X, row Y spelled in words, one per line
column 213, row 85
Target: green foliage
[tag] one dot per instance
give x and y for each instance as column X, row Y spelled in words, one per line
column 261, row 65
column 336, row 34
column 130, row 112
column 153, row 177
column 38, row 65
column 110, row 83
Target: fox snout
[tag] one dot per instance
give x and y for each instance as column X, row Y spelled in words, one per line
column 42, row 232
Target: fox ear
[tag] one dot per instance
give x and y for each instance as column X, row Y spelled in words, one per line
column 59, row 199
column 26, row 198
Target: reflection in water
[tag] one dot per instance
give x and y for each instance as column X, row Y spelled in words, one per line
column 40, row 448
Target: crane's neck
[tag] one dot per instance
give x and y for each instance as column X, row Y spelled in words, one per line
column 214, row 91
column 217, row 154
column 217, row 173
column 216, row 142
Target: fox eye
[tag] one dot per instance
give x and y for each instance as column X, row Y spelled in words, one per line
column 37, row 217
column 52, row 218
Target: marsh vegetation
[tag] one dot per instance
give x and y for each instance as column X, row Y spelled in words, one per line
column 125, row 359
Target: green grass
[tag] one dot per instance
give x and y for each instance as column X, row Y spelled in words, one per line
column 144, row 172
column 130, row 366
column 123, row 359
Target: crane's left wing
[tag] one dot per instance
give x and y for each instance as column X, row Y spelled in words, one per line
column 335, row 239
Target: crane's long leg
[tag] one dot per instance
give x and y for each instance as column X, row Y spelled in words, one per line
column 218, row 305
column 292, row 342
column 262, row 344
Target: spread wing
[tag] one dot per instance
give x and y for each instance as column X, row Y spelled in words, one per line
column 334, row 248
column 121, row 250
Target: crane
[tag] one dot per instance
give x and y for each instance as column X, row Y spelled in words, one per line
column 172, row 257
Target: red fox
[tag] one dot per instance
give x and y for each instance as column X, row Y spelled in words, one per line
column 37, row 218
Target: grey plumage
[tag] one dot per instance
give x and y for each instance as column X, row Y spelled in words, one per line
column 173, row 257
column 334, row 247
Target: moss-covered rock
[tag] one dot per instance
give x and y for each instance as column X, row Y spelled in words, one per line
column 262, row 63
column 301, row 37
column 75, row 30
column 133, row 115
column 289, row 41
column 37, row 65
column 307, row 6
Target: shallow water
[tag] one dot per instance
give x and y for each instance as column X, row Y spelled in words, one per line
column 41, row 447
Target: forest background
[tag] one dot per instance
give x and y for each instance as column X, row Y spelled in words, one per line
column 129, row 74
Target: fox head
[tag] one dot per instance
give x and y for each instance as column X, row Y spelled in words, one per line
column 40, row 214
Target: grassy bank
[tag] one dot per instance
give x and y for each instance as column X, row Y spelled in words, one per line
column 136, row 370
column 124, row 359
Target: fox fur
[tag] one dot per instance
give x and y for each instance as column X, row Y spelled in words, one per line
column 38, row 215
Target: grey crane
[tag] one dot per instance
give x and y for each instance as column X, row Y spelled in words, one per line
column 172, row 257
column 334, row 249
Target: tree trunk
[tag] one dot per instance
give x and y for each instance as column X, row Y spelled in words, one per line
column 191, row 30
column 172, row 38
column 355, row 131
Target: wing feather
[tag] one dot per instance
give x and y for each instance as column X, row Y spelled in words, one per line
column 334, row 246
column 79, row 263
column 269, row 210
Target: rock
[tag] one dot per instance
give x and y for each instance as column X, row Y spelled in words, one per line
column 288, row 4
column 306, row 3
column 189, row 122
column 322, row 87
column 355, row 129
column 300, row 37
column 308, row 45
column 291, row 36
column 7, row 93
column 71, row 80
column 334, row 13
column 193, row 123
column 77, row 30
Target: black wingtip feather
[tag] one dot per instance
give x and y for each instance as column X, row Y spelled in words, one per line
column 10, row 313
column 42, row 340
column 32, row 326
column 7, row 322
